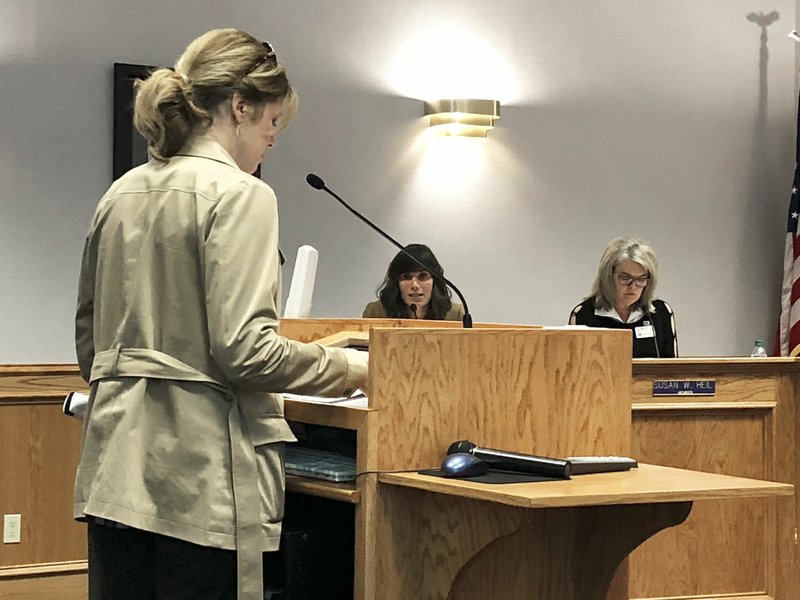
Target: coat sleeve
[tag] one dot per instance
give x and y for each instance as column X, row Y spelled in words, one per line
column 373, row 310
column 241, row 279
column 457, row 312
column 84, row 313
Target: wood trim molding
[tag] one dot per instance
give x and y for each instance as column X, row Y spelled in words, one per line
column 45, row 569
column 40, row 369
column 731, row 364
column 745, row 596
column 39, row 384
column 692, row 407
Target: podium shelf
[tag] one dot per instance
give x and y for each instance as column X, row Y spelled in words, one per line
column 344, row 417
column 647, row 484
column 343, row 492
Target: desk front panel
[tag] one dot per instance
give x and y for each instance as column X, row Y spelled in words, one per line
column 747, row 429
column 39, row 447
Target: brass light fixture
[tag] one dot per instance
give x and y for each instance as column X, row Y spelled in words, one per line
column 472, row 118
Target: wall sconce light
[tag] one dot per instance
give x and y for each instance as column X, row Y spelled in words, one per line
column 472, row 118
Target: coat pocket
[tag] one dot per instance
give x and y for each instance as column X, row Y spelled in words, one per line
column 266, row 429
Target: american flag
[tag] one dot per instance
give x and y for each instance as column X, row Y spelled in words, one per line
column 788, row 341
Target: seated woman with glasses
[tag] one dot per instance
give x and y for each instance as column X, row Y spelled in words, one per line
column 410, row 291
column 622, row 298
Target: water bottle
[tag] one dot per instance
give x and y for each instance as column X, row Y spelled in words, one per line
column 758, row 350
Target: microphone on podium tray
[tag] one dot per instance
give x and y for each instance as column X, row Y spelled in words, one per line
column 316, row 182
column 514, row 461
column 413, row 308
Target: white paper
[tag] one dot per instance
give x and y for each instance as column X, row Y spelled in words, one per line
column 75, row 405
column 357, row 399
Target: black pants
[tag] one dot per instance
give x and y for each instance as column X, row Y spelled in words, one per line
column 130, row 564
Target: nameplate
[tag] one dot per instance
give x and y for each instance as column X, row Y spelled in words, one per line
column 684, row 387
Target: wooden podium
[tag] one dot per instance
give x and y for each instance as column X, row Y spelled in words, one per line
column 555, row 392
column 441, row 539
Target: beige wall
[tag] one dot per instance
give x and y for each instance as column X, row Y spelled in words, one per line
column 666, row 120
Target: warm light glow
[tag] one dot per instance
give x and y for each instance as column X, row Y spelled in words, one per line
column 449, row 167
column 435, row 58
column 445, row 62
column 461, row 129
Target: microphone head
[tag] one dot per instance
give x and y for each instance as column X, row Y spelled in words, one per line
column 315, row 181
column 461, row 446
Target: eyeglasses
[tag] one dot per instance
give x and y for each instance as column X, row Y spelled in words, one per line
column 421, row 276
column 626, row 280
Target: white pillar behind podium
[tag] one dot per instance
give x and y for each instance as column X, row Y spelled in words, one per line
column 301, row 290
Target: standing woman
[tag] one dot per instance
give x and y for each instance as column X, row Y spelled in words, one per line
column 411, row 292
column 623, row 297
column 181, row 471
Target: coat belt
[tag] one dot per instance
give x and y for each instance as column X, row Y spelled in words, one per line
column 152, row 364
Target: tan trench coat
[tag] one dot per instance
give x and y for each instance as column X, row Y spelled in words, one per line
column 177, row 332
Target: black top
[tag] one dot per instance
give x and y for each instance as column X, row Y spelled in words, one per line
column 663, row 345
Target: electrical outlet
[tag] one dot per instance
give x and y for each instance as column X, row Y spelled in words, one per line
column 12, row 526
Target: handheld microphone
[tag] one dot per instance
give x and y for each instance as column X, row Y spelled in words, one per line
column 514, row 461
column 316, row 182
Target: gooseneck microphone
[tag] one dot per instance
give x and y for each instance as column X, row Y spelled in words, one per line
column 514, row 461
column 655, row 336
column 316, row 182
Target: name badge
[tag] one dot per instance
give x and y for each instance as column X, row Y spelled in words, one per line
column 644, row 331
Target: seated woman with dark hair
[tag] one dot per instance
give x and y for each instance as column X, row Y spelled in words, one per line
column 410, row 291
column 623, row 298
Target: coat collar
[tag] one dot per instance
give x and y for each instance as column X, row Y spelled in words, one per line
column 204, row 146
